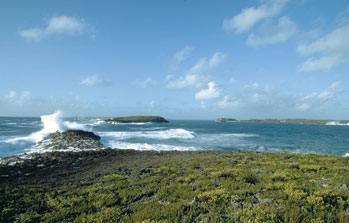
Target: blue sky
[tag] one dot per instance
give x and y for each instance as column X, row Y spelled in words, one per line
column 193, row 59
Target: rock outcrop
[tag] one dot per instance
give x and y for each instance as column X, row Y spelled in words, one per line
column 70, row 139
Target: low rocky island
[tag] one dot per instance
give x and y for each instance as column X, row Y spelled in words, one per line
column 289, row 121
column 136, row 119
column 226, row 120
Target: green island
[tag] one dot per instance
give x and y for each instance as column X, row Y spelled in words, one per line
column 111, row 185
column 290, row 121
column 137, row 119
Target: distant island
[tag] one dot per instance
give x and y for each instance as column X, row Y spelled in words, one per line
column 290, row 121
column 137, row 119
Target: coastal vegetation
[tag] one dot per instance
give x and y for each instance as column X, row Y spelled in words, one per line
column 149, row 186
column 136, row 119
column 290, row 121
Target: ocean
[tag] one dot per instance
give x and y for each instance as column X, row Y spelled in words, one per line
column 19, row 135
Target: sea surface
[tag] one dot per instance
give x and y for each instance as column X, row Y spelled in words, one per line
column 19, row 135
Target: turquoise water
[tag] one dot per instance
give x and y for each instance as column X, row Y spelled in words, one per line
column 19, row 135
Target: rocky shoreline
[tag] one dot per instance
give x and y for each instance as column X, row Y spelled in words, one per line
column 59, row 168
column 116, row 185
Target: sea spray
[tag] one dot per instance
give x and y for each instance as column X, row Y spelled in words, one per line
column 52, row 123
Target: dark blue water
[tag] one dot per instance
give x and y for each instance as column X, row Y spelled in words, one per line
column 19, row 135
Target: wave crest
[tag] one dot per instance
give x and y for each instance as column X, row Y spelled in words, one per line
column 164, row 134
column 146, row 146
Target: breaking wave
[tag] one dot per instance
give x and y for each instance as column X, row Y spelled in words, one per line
column 146, row 146
column 51, row 123
column 337, row 123
column 164, row 134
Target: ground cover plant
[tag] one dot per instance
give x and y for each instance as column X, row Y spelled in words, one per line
column 204, row 186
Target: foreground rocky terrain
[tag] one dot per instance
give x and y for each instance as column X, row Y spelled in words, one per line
column 113, row 185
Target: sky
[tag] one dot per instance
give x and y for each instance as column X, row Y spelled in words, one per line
column 184, row 59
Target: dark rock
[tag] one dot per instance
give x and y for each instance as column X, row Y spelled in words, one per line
column 70, row 139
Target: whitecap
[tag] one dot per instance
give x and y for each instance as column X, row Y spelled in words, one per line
column 146, row 146
column 241, row 135
column 164, row 134
column 130, row 123
column 346, row 155
column 337, row 123
column 74, row 125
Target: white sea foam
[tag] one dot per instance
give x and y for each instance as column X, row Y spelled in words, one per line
column 346, row 155
column 74, row 125
column 146, row 146
column 35, row 149
column 51, row 123
column 241, row 135
column 337, row 123
column 97, row 122
column 164, row 134
column 130, row 123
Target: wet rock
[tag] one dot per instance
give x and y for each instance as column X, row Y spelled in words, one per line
column 70, row 140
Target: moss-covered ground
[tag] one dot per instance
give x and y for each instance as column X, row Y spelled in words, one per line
column 192, row 187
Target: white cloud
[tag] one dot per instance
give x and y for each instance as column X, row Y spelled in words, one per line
column 183, row 54
column 227, row 102
column 146, row 83
column 278, row 33
column 188, row 81
column 209, row 93
column 318, row 99
column 258, row 87
column 152, row 103
column 248, row 17
column 25, row 104
column 195, row 77
column 61, row 25
column 333, row 50
column 18, row 98
column 94, row 80
column 204, row 64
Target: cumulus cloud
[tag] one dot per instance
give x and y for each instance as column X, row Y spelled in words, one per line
column 195, row 76
column 209, row 93
column 278, row 33
column 60, row 25
column 95, row 80
column 204, row 64
column 146, row 83
column 187, row 81
column 182, row 54
column 248, row 17
column 332, row 51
